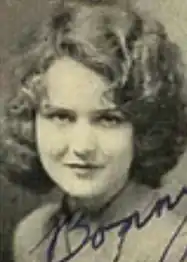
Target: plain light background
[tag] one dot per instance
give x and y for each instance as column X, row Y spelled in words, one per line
column 15, row 16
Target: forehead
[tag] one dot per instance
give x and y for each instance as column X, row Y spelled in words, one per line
column 68, row 81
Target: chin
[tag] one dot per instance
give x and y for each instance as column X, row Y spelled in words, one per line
column 83, row 191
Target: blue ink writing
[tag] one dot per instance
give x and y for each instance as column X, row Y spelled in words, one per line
column 172, row 240
column 98, row 237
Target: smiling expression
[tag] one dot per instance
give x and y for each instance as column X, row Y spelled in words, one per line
column 83, row 141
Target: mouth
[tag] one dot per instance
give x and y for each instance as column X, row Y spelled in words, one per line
column 85, row 170
column 83, row 166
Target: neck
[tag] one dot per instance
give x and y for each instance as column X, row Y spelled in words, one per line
column 123, row 202
column 98, row 203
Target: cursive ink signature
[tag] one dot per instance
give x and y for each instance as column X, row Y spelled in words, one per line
column 171, row 242
column 97, row 238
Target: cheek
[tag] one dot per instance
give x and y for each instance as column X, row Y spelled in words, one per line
column 49, row 139
column 117, row 142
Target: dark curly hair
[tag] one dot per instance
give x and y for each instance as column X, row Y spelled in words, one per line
column 134, row 53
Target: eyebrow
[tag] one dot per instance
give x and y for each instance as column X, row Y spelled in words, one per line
column 51, row 109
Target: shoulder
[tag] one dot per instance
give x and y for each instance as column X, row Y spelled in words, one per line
column 167, row 235
column 30, row 231
column 175, row 236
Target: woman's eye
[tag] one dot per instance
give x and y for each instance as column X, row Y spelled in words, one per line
column 110, row 120
column 61, row 118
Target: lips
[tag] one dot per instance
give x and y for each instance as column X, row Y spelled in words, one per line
column 84, row 170
column 83, row 166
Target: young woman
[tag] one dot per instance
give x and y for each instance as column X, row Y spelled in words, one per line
column 97, row 111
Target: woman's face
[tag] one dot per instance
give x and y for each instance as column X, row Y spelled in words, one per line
column 84, row 144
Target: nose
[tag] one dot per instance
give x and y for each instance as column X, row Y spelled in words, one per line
column 83, row 142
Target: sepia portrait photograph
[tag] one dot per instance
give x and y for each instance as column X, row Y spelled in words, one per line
column 93, row 131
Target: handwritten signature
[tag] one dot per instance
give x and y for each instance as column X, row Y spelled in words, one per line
column 97, row 238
